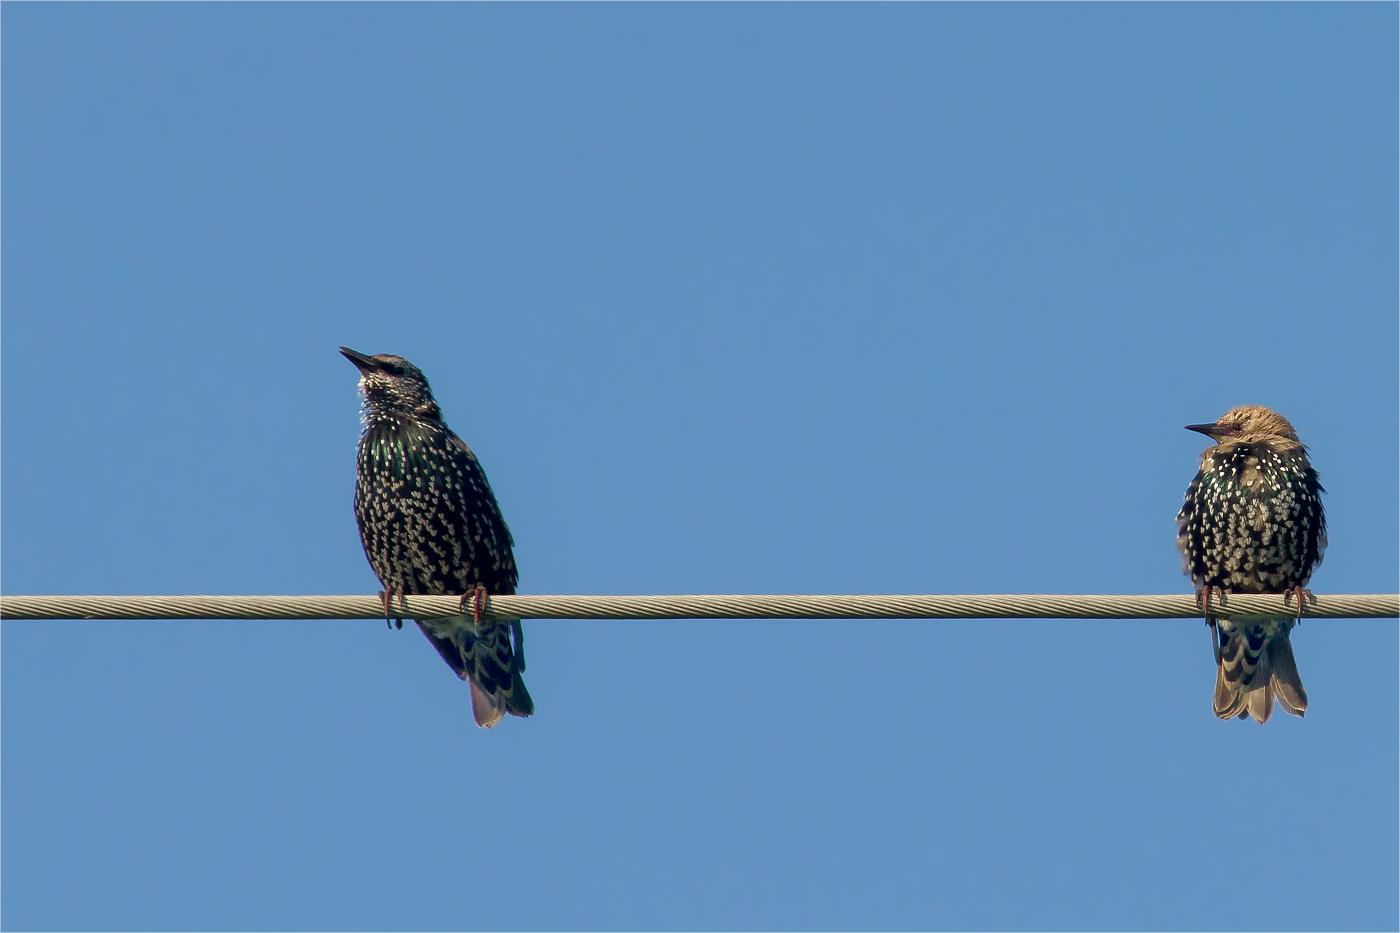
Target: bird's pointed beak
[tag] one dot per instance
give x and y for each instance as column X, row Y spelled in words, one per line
column 1214, row 431
column 364, row 363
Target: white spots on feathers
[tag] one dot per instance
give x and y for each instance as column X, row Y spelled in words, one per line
column 1252, row 520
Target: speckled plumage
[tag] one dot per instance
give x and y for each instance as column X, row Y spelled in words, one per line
column 1253, row 522
column 430, row 525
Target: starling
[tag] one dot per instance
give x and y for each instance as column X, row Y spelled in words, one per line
column 430, row 526
column 1253, row 523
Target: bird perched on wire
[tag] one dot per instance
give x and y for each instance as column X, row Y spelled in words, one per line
column 430, row 526
column 1253, row 523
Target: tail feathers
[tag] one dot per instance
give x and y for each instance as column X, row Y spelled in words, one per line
column 1259, row 701
column 1256, row 664
column 1228, row 701
column 486, row 713
column 1285, row 680
column 483, row 656
column 1251, row 701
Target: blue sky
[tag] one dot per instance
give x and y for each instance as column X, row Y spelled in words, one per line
column 779, row 298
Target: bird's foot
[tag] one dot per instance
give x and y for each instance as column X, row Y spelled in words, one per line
column 1204, row 594
column 1304, row 598
column 478, row 597
column 387, row 598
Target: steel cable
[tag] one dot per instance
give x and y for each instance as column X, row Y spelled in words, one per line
column 1012, row 606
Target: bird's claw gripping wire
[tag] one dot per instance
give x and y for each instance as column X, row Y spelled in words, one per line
column 1304, row 598
column 478, row 597
column 387, row 599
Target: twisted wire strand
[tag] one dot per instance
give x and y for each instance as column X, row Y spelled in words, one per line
column 1010, row 606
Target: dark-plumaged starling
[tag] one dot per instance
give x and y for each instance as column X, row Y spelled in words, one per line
column 430, row 526
column 1253, row 523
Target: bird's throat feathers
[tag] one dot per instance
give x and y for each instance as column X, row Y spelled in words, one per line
column 384, row 409
column 1258, row 468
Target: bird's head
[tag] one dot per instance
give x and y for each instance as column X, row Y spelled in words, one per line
column 391, row 384
column 1248, row 424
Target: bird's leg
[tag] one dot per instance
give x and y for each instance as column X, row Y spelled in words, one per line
column 1203, row 603
column 477, row 595
column 387, row 598
column 1304, row 597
